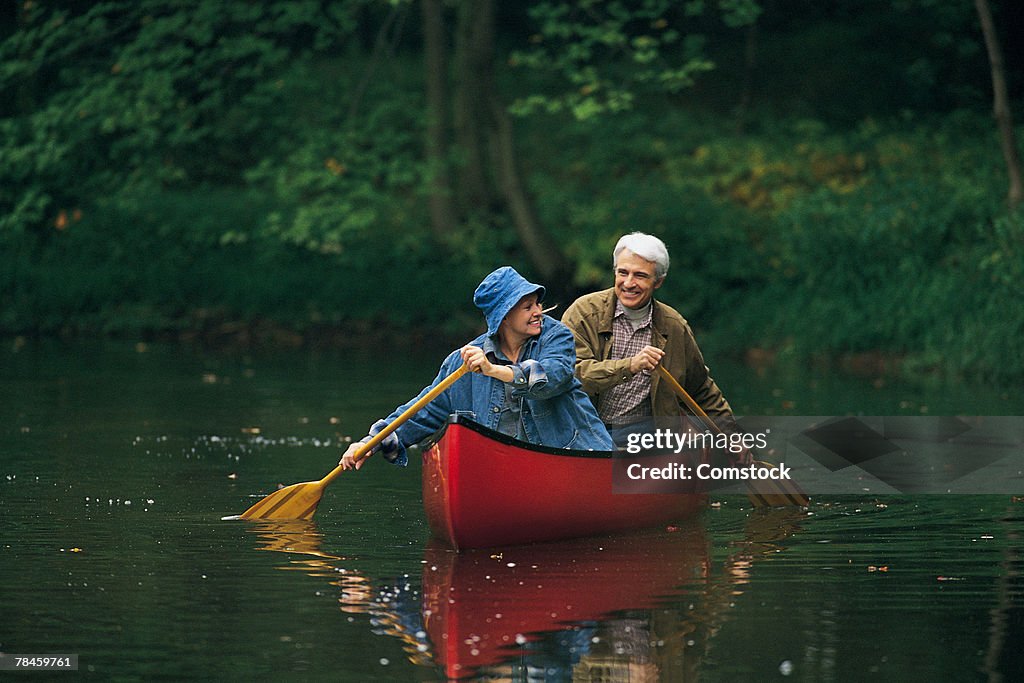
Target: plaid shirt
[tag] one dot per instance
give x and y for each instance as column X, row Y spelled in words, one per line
column 630, row 400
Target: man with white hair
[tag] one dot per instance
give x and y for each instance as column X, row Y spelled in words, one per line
column 623, row 333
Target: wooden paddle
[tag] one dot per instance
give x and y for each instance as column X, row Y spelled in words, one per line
column 761, row 492
column 299, row 501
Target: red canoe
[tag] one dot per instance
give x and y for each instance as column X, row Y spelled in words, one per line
column 484, row 489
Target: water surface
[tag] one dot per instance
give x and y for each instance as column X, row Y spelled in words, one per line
column 117, row 463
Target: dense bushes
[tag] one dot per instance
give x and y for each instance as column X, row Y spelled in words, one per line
column 891, row 237
column 903, row 258
column 887, row 238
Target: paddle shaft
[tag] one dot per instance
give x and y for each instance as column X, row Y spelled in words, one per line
column 778, row 493
column 367, row 447
column 687, row 399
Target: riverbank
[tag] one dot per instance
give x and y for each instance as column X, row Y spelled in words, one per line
column 881, row 241
column 209, row 333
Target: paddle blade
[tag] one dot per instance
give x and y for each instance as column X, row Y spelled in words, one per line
column 297, row 501
column 775, row 492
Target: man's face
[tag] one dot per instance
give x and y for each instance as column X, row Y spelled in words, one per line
column 635, row 281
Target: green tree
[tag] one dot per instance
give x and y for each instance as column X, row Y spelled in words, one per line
column 606, row 52
column 1001, row 103
column 134, row 96
column 609, row 52
column 486, row 184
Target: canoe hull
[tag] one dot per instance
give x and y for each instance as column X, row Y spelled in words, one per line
column 482, row 490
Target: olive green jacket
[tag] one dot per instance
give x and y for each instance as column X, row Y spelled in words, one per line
column 590, row 319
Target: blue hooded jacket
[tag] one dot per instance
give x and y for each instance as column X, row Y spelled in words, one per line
column 554, row 410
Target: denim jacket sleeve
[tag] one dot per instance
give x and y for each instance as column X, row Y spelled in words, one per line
column 549, row 370
column 420, row 425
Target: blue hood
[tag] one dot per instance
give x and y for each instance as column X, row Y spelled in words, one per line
column 499, row 292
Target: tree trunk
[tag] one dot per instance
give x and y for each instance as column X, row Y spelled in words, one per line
column 380, row 46
column 1001, row 106
column 473, row 59
column 747, row 88
column 442, row 214
column 544, row 253
column 490, row 178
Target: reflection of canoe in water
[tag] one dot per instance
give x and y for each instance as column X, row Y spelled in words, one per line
column 626, row 607
column 481, row 489
column 481, row 607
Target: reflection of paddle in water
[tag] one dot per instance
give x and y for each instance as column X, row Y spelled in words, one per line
column 301, row 537
column 631, row 607
column 358, row 595
column 290, row 536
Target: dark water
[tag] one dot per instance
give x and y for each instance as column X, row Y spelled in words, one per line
column 117, row 464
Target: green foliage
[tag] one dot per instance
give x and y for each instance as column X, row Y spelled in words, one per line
column 888, row 238
column 608, row 52
column 133, row 263
column 164, row 166
column 622, row 185
column 909, row 252
column 142, row 95
column 338, row 180
column 160, row 263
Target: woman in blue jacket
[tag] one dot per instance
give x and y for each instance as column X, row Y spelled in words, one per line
column 522, row 381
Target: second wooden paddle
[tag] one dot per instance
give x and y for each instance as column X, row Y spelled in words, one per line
column 761, row 492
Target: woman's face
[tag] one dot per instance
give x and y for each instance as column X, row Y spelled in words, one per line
column 525, row 319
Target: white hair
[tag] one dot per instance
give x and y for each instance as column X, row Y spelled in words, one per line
column 647, row 247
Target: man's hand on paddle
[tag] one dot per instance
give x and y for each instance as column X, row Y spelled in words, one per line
column 647, row 359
